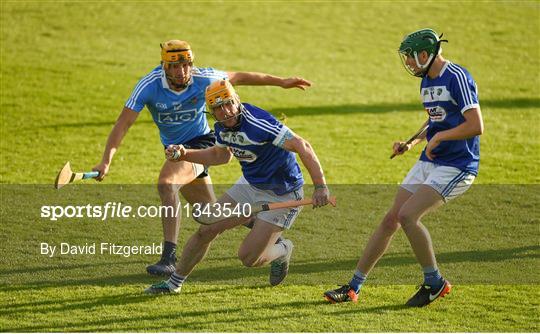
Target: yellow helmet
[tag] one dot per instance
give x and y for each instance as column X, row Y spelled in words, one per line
column 176, row 51
column 218, row 93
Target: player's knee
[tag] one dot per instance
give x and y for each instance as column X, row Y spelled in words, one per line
column 166, row 187
column 390, row 222
column 406, row 218
column 208, row 233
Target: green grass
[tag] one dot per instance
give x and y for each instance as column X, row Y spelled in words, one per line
column 289, row 308
column 68, row 67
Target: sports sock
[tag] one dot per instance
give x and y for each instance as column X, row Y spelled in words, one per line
column 175, row 281
column 432, row 277
column 357, row 280
column 280, row 250
column 169, row 251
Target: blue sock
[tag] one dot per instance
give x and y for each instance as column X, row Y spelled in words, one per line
column 357, row 280
column 432, row 277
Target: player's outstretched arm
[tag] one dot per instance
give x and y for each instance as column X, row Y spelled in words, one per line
column 123, row 123
column 263, row 79
column 297, row 144
column 211, row 156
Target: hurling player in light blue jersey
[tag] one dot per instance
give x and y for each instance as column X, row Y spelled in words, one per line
column 173, row 92
column 447, row 167
column 266, row 151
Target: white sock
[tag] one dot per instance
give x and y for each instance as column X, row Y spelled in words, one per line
column 175, row 281
column 280, row 250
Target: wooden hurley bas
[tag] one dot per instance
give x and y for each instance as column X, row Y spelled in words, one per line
column 212, row 219
column 66, row 176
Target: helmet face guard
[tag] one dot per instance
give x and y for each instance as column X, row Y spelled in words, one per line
column 412, row 46
column 236, row 116
column 219, row 94
column 176, row 53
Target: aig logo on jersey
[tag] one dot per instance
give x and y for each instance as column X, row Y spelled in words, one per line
column 243, row 155
column 177, row 117
column 436, row 114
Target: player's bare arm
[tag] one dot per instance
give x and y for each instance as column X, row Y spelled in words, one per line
column 473, row 126
column 212, row 156
column 263, row 79
column 304, row 149
column 123, row 123
column 401, row 147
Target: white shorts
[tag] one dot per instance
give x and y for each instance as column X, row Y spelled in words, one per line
column 243, row 192
column 449, row 182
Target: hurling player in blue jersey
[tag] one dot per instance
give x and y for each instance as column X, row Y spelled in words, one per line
column 447, row 167
column 173, row 92
column 270, row 173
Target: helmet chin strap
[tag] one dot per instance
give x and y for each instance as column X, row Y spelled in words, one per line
column 240, row 109
column 430, row 60
column 426, row 65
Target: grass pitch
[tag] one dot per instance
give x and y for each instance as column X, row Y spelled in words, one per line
column 68, row 67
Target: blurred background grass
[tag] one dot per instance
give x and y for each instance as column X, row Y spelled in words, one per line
column 67, row 69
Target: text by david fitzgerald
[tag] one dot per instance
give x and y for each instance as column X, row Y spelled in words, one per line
column 103, row 248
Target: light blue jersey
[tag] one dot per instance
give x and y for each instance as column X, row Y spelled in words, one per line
column 179, row 115
column 257, row 144
column 445, row 99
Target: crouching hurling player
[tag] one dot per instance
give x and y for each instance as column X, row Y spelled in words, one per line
column 265, row 149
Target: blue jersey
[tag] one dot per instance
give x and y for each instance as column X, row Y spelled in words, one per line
column 179, row 115
column 445, row 99
column 257, row 144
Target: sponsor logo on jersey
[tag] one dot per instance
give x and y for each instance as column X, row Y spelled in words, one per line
column 435, row 94
column 177, row 106
column 243, row 155
column 162, row 106
column 436, row 114
column 239, row 138
column 177, row 117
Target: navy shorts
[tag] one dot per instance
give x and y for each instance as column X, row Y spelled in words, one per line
column 201, row 142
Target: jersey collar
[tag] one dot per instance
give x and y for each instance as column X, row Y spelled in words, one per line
column 165, row 83
column 446, row 63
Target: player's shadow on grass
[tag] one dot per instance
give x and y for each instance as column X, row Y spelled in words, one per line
column 243, row 277
column 188, row 318
column 61, row 305
column 33, row 270
column 376, row 108
column 376, row 309
column 389, row 260
column 183, row 320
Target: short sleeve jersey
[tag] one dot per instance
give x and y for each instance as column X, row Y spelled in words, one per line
column 445, row 99
column 180, row 115
column 257, row 144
